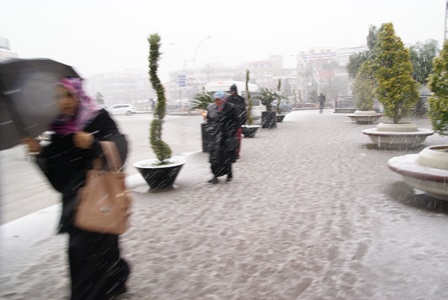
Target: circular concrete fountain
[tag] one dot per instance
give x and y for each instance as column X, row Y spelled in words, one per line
column 426, row 171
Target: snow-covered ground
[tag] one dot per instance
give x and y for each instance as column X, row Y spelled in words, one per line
column 313, row 212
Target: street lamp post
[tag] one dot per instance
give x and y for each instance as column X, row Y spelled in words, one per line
column 196, row 73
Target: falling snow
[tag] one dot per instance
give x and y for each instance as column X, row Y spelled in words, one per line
column 313, row 213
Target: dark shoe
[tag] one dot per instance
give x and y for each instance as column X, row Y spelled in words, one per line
column 214, row 180
column 229, row 176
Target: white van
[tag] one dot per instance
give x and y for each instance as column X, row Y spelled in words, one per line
column 225, row 85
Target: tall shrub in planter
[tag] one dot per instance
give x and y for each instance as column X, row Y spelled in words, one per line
column 278, row 106
column 249, row 129
column 161, row 172
column 438, row 84
column 160, row 148
column 396, row 89
column 250, row 120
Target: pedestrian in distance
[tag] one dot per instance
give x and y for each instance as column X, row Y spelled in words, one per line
column 321, row 99
column 240, row 106
column 223, row 123
column 97, row 271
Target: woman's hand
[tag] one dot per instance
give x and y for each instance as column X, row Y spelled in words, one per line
column 33, row 145
column 83, row 139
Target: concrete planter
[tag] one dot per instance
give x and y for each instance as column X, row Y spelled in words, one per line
column 365, row 116
column 426, row 171
column 279, row 118
column 160, row 177
column 268, row 119
column 397, row 136
column 249, row 131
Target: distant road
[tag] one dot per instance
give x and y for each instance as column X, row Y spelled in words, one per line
column 24, row 190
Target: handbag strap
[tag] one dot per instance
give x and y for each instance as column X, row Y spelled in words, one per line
column 112, row 157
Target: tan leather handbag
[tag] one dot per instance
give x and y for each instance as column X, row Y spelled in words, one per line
column 104, row 202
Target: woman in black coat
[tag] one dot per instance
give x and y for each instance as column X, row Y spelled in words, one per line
column 222, row 122
column 97, row 271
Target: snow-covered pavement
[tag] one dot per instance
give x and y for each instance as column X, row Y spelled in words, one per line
column 313, row 212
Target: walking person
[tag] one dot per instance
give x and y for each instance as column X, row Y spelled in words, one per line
column 223, row 124
column 97, row 271
column 321, row 100
column 240, row 106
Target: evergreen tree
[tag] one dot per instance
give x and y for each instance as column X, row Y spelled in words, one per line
column 438, row 84
column 422, row 57
column 357, row 59
column 364, row 87
column 396, row 89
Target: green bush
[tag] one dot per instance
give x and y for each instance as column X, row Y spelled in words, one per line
column 438, row 84
column 364, row 87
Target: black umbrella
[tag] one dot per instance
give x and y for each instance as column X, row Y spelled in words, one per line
column 28, row 97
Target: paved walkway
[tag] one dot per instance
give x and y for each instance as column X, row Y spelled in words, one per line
column 313, row 213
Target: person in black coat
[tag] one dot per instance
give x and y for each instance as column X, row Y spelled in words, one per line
column 240, row 106
column 97, row 271
column 321, row 99
column 222, row 121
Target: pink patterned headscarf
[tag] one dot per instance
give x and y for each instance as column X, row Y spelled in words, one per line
column 87, row 108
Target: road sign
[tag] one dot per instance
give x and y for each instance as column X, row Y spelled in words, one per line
column 181, row 80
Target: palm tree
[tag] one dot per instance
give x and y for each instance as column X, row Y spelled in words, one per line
column 267, row 96
column 202, row 100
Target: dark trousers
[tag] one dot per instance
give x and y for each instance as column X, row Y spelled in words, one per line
column 96, row 269
column 221, row 169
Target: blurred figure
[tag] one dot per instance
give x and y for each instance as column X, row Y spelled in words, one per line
column 240, row 106
column 97, row 271
column 223, row 123
column 321, row 100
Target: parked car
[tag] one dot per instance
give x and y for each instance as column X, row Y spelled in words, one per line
column 122, row 109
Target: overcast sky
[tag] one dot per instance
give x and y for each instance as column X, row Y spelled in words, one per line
column 97, row 36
